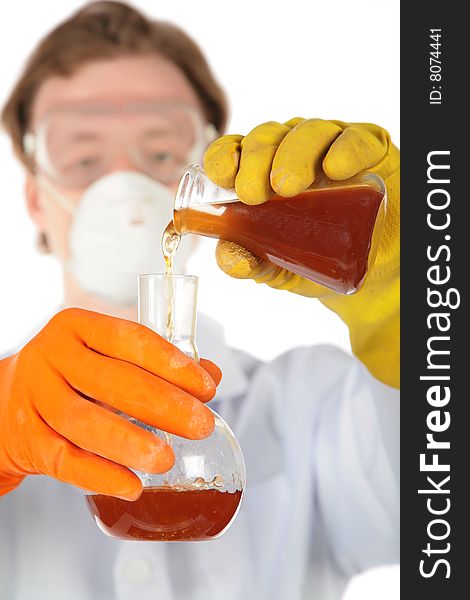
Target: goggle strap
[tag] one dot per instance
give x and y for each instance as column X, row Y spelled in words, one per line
column 29, row 144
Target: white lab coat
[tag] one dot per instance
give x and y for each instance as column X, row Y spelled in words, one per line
column 320, row 440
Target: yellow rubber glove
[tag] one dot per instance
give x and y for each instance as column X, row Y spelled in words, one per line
column 285, row 159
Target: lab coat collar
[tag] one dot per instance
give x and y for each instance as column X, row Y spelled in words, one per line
column 211, row 343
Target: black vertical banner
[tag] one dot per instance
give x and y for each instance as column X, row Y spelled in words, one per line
column 435, row 227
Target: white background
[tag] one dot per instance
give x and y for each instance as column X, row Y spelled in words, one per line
column 276, row 59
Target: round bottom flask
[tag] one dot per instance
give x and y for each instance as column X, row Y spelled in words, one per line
column 199, row 497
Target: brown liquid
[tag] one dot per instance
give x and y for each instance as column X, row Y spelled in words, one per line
column 166, row 514
column 324, row 234
column 170, row 242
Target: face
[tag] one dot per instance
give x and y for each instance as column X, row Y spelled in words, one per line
column 87, row 145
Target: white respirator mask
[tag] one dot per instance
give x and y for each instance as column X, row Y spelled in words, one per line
column 116, row 234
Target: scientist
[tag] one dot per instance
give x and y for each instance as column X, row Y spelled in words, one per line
column 108, row 111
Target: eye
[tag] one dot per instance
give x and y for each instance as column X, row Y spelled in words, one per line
column 86, row 163
column 161, row 157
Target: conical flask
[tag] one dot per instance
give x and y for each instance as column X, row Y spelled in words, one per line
column 328, row 234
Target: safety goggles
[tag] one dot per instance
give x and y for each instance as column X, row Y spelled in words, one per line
column 77, row 144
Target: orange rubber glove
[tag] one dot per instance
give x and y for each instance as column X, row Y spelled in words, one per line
column 61, row 394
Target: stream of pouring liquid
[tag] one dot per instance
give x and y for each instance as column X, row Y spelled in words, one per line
column 170, row 242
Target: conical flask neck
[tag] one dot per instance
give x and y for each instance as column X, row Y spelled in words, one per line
column 196, row 189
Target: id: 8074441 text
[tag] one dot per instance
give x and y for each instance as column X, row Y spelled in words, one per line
column 435, row 66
